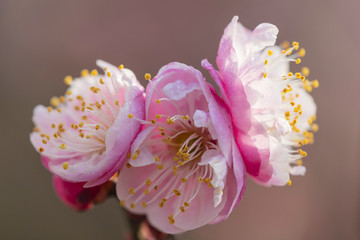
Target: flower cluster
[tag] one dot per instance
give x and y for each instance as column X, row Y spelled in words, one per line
column 177, row 151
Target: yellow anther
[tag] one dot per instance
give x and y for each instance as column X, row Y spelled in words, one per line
column 315, row 83
column 41, row 150
column 265, row 75
column 158, row 116
column 36, row 129
column 157, row 101
column 97, row 127
column 130, row 115
column 94, row 72
column 156, row 187
column 161, row 204
column 285, row 45
column 177, row 192
column 283, row 52
column 298, row 75
column 160, row 166
column 58, row 110
column 90, row 108
column 171, row 219
column 289, row 183
column 183, row 180
column 299, row 162
column 290, row 74
column 49, row 109
column 117, row 103
column 292, row 103
column 148, row 182
column 62, row 99
column 122, row 203
column 207, row 180
column 44, row 141
column 169, row 121
column 287, row 114
column 62, row 146
column 121, row 66
column 315, row 127
column 134, row 156
column 266, row 62
column 180, row 163
column 147, row 76
column 101, row 81
column 308, row 88
column 175, row 170
column 54, row 101
column 156, row 159
column 295, row 44
column 81, row 124
column 133, row 205
column 146, row 192
column 68, row 80
column 131, row 191
column 270, row 52
column 182, row 209
column 152, row 121
column 185, row 117
column 88, row 136
column 84, row 72
column 144, row 204
column 128, row 165
column 65, row 165
column 200, row 180
column 186, row 204
column 53, row 125
column 108, row 74
column 302, row 52
column 298, row 60
column 306, row 141
column 300, row 143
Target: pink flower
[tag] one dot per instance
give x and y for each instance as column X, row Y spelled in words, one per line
column 86, row 138
column 184, row 170
column 271, row 109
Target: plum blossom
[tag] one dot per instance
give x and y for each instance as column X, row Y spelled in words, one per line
column 272, row 111
column 86, row 134
column 184, row 168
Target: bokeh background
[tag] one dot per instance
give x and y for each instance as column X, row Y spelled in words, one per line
column 41, row 41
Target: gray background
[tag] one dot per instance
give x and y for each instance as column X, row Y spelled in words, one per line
column 42, row 41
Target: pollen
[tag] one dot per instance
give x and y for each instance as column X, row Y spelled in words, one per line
column 108, row 74
column 200, row 179
column 146, row 192
column 160, row 166
column 315, row 83
column 68, row 80
column 121, row 66
column 54, row 101
column 266, row 62
column 287, row 114
column 130, row 115
column 157, row 101
column 122, row 203
column 94, row 72
column 65, row 165
column 158, row 116
column 49, row 109
column 171, row 219
column 147, row 76
column 62, row 146
column 44, row 141
column 298, row 60
column 144, row 204
column 182, row 209
column 148, row 182
column 132, row 205
column 265, row 75
column 131, row 191
column 315, row 127
column 183, row 180
column 84, row 72
column 101, row 81
column 177, row 192
column 302, row 52
column 41, row 150
column 270, row 52
column 97, row 127
column 289, row 183
column 156, row 159
column 186, row 204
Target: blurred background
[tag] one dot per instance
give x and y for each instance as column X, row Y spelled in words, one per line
column 42, row 41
